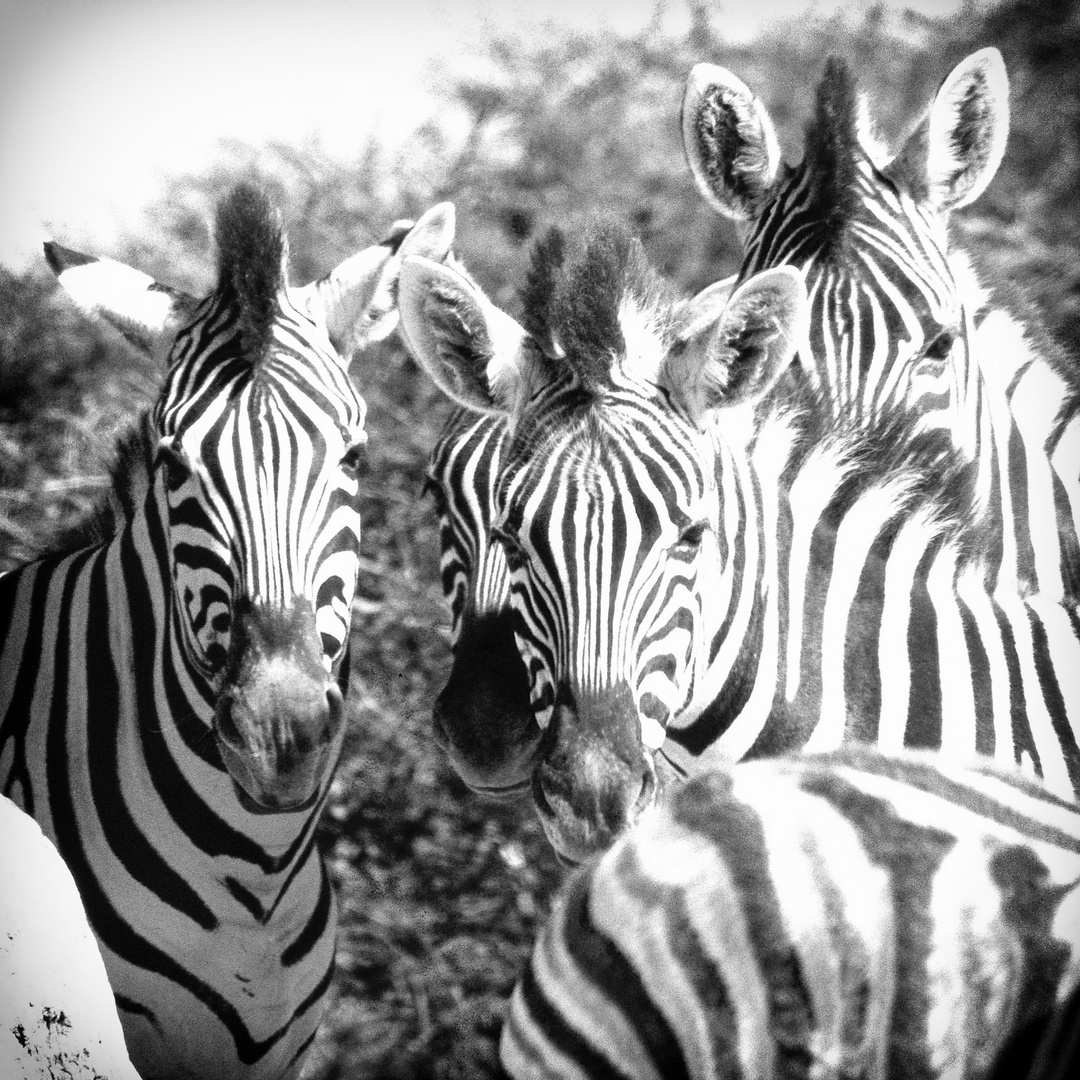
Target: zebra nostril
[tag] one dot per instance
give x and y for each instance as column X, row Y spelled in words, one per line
column 647, row 792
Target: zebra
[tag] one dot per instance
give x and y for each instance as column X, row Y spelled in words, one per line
column 55, row 999
column 172, row 695
column 898, row 317
column 848, row 913
column 701, row 566
column 482, row 717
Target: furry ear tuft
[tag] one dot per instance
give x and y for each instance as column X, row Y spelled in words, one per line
column 737, row 356
column 956, row 149
column 729, row 141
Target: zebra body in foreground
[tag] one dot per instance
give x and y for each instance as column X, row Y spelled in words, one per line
column 818, row 915
column 172, row 695
column 702, row 567
column 898, row 320
column 55, row 1000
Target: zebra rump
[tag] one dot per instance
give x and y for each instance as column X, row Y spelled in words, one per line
column 844, row 914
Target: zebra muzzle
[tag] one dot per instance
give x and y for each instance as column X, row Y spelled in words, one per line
column 597, row 778
column 280, row 716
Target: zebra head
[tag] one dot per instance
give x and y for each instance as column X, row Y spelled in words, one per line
column 482, row 717
column 606, row 505
column 891, row 307
column 256, row 439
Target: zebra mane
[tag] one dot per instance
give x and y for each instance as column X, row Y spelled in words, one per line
column 833, row 147
column 128, row 481
column 921, row 471
column 574, row 299
column 251, row 262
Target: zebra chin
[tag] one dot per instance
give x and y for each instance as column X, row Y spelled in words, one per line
column 280, row 717
column 596, row 779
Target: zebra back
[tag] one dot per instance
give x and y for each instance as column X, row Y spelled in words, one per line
column 819, row 915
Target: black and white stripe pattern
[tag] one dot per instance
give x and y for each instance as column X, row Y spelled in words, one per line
column 842, row 914
column 482, row 717
column 171, row 696
column 699, row 566
column 898, row 320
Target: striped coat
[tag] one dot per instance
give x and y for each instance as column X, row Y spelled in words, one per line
column 832, row 915
column 172, row 692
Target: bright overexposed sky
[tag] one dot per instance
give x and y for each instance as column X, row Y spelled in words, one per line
column 100, row 99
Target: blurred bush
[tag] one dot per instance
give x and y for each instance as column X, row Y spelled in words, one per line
column 440, row 891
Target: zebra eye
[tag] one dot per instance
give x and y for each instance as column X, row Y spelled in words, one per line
column 690, row 537
column 177, row 467
column 353, row 457
column 434, row 489
column 515, row 557
column 940, row 347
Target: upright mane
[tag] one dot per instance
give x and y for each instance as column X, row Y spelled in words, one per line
column 578, row 291
column 251, row 262
column 833, row 149
column 128, row 481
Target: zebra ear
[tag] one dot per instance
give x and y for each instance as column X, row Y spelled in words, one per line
column 738, row 356
column 958, row 145
column 357, row 301
column 729, row 141
column 144, row 311
column 702, row 311
column 472, row 350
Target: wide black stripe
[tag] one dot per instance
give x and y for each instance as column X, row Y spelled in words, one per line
column 1068, row 540
column 981, row 680
column 911, row 855
column 601, row 961
column 1055, row 701
column 737, row 833
column 187, row 808
column 709, row 990
column 1018, row 490
column 1021, row 728
column 862, row 645
column 17, row 720
column 135, row 851
column 924, row 775
column 316, row 927
column 544, row 1013
column 924, row 694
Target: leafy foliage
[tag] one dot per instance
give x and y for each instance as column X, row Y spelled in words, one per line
column 440, row 891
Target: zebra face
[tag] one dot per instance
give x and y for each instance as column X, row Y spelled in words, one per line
column 606, row 505
column 888, row 328
column 258, row 461
column 258, row 433
column 891, row 306
column 482, row 718
column 609, row 544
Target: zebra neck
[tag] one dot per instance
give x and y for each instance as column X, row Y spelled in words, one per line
column 743, row 596
column 169, row 749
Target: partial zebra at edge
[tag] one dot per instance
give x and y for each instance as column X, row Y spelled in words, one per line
column 841, row 914
column 56, row 1005
column 173, row 677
